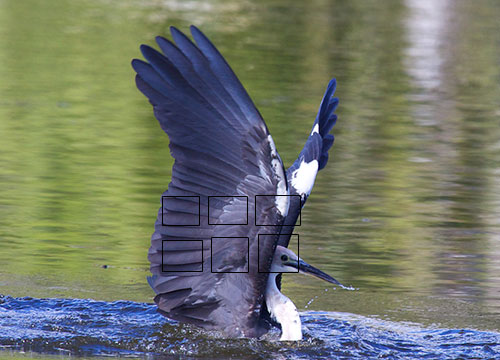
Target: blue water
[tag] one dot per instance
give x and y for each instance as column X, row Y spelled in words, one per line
column 123, row 328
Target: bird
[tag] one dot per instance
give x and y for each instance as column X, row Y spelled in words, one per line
column 221, row 237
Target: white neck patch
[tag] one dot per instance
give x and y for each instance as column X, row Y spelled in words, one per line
column 283, row 311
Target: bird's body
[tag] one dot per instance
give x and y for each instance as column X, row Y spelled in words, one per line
column 283, row 310
column 222, row 232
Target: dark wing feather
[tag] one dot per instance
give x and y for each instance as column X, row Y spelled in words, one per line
column 312, row 158
column 221, row 147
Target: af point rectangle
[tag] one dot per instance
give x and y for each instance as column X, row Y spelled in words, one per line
column 189, row 246
column 177, row 217
column 227, row 199
column 240, row 246
column 261, row 263
column 295, row 202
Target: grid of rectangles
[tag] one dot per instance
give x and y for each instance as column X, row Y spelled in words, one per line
column 239, row 253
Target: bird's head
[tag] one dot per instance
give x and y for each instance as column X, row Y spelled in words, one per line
column 285, row 260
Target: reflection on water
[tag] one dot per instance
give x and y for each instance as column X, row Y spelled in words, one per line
column 426, row 27
column 407, row 210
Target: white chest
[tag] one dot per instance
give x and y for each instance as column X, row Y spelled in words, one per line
column 283, row 311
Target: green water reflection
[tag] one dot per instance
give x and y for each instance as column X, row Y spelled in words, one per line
column 407, row 209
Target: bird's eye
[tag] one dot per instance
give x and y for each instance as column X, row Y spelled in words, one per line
column 284, row 258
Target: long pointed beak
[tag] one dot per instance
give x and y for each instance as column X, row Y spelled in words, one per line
column 305, row 268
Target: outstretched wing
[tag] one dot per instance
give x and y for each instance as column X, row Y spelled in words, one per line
column 312, row 158
column 205, row 249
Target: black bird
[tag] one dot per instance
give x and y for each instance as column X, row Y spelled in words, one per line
column 221, row 236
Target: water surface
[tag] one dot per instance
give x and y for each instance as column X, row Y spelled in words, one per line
column 128, row 329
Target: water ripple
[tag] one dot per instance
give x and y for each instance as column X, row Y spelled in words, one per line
column 123, row 328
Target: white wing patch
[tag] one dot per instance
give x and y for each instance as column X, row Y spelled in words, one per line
column 282, row 202
column 303, row 178
column 282, row 205
column 315, row 130
column 262, row 169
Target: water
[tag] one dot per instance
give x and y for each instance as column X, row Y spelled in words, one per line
column 407, row 210
column 130, row 329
